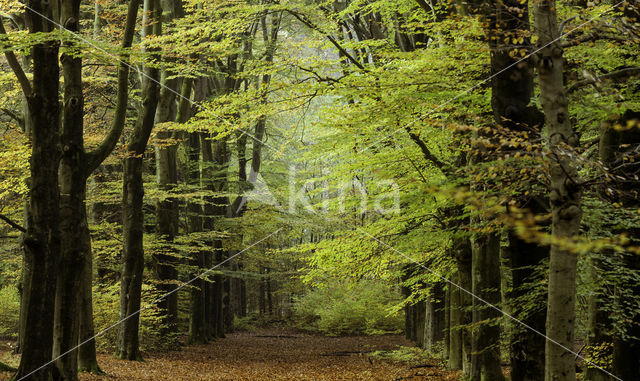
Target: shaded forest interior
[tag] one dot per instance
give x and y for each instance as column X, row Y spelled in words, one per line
column 350, row 189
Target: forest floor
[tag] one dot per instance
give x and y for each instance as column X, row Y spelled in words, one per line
column 275, row 355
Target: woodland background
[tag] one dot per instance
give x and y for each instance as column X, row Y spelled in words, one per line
column 462, row 172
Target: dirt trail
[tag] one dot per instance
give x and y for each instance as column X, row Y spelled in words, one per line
column 272, row 355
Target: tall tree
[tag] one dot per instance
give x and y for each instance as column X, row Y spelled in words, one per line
column 87, row 352
column 167, row 178
column 511, row 93
column 565, row 195
column 127, row 346
column 42, row 237
column 72, row 180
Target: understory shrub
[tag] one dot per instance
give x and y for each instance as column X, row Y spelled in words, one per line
column 341, row 308
column 244, row 324
column 106, row 312
column 9, row 312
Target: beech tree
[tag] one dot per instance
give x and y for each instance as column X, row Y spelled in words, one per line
column 132, row 194
column 342, row 168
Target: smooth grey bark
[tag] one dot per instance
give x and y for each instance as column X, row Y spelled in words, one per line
column 565, row 196
column 97, row 21
column 127, row 346
column 42, row 239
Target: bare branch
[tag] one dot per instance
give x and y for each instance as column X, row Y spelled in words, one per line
column 303, row 19
column 12, row 223
column 618, row 74
column 444, row 167
column 14, row 116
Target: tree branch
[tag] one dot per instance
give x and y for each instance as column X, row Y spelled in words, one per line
column 303, row 19
column 618, row 74
column 591, row 37
column 13, row 116
column 14, row 64
column 97, row 156
column 444, row 167
column 12, row 224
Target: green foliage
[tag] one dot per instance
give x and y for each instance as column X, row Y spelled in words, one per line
column 408, row 355
column 9, row 312
column 244, row 324
column 600, row 355
column 106, row 307
column 349, row 308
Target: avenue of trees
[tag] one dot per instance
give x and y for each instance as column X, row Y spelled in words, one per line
column 467, row 172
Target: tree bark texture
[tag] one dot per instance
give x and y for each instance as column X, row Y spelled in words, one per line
column 42, row 239
column 127, row 346
column 565, row 197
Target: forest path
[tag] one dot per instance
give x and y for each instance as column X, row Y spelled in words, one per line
column 272, row 355
column 287, row 356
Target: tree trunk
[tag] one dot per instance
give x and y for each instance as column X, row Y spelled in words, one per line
column 447, row 322
column 214, row 179
column 127, row 346
column 87, row 360
column 97, row 21
column 42, row 239
column 486, row 285
column 198, row 332
column 462, row 247
column 243, row 294
column 269, row 293
column 599, row 324
column 408, row 308
column 227, row 311
column 617, row 327
column 527, row 347
column 434, row 317
column 511, row 93
column 565, row 197
column 455, row 321
column 165, row 262
column 218, row 293
column 626, row 348
column 261, row 295
column 419, row 327
column 72, row 180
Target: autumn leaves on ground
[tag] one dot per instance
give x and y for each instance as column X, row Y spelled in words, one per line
column 278, row 355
